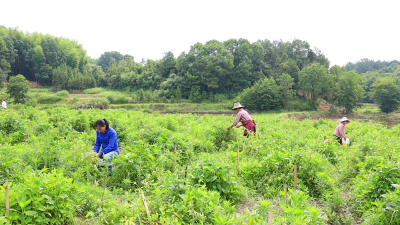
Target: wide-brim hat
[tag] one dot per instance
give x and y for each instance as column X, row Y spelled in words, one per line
column 344, row 119
column 237, row 105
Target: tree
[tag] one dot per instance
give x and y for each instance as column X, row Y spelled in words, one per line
column 285, row 83
column 351, row 90
column 313, row 81
column 167, row 64
column 263, row 95
column 17, row 88
column 107, row 58
column 386, row 94
column 4, row 54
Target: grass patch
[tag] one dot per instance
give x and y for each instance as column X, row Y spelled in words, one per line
column 368, row 108
column 94, row 90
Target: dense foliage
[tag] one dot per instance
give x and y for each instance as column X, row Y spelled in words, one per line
column 192, row 171
column 17, row 87
column 208, row 72
column 371, row 71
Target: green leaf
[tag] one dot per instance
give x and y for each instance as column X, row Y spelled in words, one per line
column 395, row 185
column 30, row 213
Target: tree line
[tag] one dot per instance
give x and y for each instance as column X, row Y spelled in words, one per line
column 266, row 74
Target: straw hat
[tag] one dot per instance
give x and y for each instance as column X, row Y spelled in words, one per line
column 344, row 119
column 237, row 105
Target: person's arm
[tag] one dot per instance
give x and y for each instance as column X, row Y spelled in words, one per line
column 112, row 142
column 236, row 120
column 97, row 144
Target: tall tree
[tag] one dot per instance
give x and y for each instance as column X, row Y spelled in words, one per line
column 386, row 94
column 4, row 55
column 285, row 83
column 351, row 90
column 106, row 58
column 313, row 82
column 17, row 88
column 167, row 64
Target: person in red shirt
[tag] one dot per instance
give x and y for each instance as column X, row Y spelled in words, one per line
column 244, row 117
column 340, row 130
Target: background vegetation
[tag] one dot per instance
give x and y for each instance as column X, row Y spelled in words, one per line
column 298, row 75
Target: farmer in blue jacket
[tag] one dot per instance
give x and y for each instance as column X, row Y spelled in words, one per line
column 106, row 138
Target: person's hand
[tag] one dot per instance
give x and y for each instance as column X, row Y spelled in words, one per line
column 238, row 126
column 229, row 127
column 344, row 138
column 97, row 154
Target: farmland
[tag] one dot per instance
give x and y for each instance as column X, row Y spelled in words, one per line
column 191, row 170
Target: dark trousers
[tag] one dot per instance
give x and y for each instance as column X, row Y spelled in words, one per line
column 338, row 139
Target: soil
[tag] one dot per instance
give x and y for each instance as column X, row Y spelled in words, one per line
column 34, row 84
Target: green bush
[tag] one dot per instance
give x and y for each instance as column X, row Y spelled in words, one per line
column 49, row 98
column 62, row 94
column 117, row 99
column 217, row 177
column 375, row 180
column 269, row 175
column 93, row 90
column 221, row 135
column 94, row 103
column 297, row 211
column 264, row 95
column 203, row 205
column 385, row 210
column 39, row 196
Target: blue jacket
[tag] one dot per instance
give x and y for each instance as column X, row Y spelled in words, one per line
column 108, row 141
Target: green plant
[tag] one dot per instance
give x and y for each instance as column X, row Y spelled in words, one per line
column 99, row 103
column 62, row 94
column 39, row 196
column 217, row 177
column 375, row 182
column 297, row 211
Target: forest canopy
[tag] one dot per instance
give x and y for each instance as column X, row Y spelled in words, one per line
column 290, row 73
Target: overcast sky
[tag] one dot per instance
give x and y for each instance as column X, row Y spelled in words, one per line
column 343, row 30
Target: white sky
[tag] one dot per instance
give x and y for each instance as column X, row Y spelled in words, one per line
column 343, row 30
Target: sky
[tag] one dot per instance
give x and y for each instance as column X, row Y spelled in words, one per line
column 345, row 31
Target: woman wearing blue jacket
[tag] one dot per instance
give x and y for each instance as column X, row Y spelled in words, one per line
column 107, row 140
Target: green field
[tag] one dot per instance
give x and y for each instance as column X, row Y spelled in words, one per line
column 192, row 171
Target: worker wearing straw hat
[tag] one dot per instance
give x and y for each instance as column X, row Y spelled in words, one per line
column 340, row 130
column 243, row 116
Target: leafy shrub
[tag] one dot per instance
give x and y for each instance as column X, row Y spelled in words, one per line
column 385, row 210
column 93, row 90
column 62, row 94
column 39, row 196
column 75, row 100
column 99, row 103
column 264, row 95
column 132, row 168
column 117, row 99
column 269, row 175
column 13, row 129
column 199, row 206
column 216, row 177
column 373, row 183
column 297, row 211
column 49, row 99
column 81, row 122
column 221, row 135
